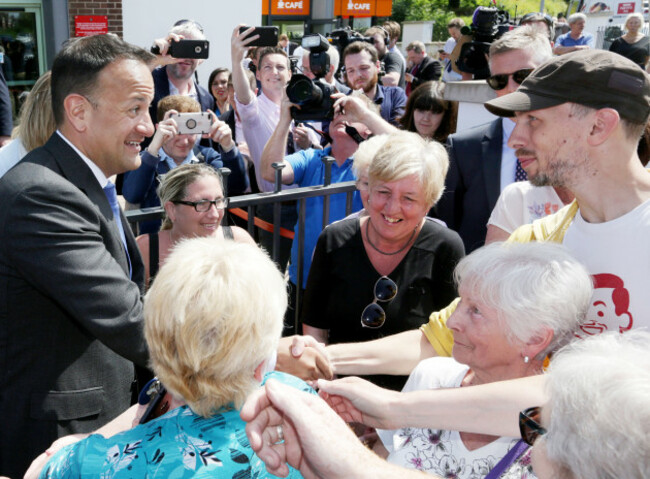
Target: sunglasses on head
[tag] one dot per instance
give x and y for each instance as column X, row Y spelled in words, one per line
column 373, row 315
column 529, row 424
column 499, row 82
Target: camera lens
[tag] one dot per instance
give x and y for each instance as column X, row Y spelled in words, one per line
column 191, row 123
column 197, row 49
column 302, row 90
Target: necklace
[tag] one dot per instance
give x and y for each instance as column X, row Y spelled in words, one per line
column 383, row 252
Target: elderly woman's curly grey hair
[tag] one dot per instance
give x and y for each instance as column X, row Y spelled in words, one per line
column 599, row 391
column 531, row 286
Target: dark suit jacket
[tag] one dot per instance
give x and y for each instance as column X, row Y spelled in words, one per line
column 429, row 69
column 6, row 122
column 70, row 318
column 473, row 183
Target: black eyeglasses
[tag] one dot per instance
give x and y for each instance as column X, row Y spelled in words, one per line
column 204, row 205
column 373, row 315
column 529, row 425
column 499, row 82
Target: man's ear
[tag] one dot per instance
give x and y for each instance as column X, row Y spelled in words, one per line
column 604, row 123
column 77, row 111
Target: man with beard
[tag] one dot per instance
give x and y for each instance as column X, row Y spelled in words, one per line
column 362, row 72
column 177, row 78
column 584, row 139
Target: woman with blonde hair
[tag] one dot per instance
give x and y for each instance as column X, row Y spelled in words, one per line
column 384, row 272
column 213, row 319
column 633, row 45
column 35, row 126
column 194, row 203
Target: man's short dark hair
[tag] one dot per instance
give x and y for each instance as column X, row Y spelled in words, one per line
column 261, row 53
column 358, row 47
column 77, row 66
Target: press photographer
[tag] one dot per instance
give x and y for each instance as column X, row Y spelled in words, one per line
column 488, row 24
column 312, row 90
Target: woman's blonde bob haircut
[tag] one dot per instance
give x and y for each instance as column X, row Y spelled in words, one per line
column 212, row 316
column 406, row 154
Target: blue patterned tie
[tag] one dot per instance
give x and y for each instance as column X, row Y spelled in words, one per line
column 520, row 174
column 111, row 195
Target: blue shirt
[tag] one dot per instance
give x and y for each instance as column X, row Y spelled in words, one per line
column 391, row 101
column 179, row 444
column 309, row 170
column 566, row 40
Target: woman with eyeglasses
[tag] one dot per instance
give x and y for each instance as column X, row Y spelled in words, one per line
column 384, row 272
column 194, row 203
column 429, row 114
column 518, row 303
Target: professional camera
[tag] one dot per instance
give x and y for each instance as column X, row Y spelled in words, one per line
column 341, row 38
column 313, row 96
column 488, row 24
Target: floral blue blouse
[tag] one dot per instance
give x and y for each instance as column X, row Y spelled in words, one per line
column 179, row 444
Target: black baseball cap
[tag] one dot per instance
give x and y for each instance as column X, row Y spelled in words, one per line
column 593, row 78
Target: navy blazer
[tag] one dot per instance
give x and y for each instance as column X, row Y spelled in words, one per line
column 473, row 183
column 70, row 317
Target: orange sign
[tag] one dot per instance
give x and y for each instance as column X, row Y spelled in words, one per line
column 280, row 7
column 363, row 8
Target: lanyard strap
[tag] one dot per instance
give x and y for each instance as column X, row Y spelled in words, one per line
column 513, row 454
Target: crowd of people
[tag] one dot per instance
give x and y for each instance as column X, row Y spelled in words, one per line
column 486, row 284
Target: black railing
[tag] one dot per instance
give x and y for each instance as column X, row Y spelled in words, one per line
column 251, row 202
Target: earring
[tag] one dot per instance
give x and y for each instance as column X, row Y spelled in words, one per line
column 526, row 359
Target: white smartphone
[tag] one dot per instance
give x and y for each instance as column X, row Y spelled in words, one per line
column 193, row 123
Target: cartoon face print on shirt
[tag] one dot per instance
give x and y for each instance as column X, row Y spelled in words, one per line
column 609, row 310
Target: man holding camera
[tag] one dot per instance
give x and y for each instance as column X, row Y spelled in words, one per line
column 177, row 76
column 329, row 77
column 173, row 145
column 259, row 116
column 362, row 72
column 306, row 168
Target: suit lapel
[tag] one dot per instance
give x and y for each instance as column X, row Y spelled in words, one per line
column 75, row 170
column 492, row 148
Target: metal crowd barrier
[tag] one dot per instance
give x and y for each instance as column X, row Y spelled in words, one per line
column 252, row 201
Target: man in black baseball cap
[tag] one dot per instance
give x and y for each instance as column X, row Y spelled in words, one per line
column 579, row 118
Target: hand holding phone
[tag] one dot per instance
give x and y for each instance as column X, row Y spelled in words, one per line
column 268, row 36
column 198, row 123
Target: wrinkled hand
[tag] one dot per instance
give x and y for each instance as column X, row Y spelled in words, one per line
column 39, row 463
column 316, row 441
column 239, row 42
column 165, row 131
column 303, row 357
column 221, row 133
column 357, row 400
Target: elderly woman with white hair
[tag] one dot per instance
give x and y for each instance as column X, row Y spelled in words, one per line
column 633, row 45
column 384, row 272
column 213, row 319
column 519, row 303
column 596, row 424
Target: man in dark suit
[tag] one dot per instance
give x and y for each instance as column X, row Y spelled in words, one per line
column 70, row 273
column 480, row 163
column 423, row 67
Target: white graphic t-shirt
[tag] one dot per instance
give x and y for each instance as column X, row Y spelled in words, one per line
column 617, row 255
